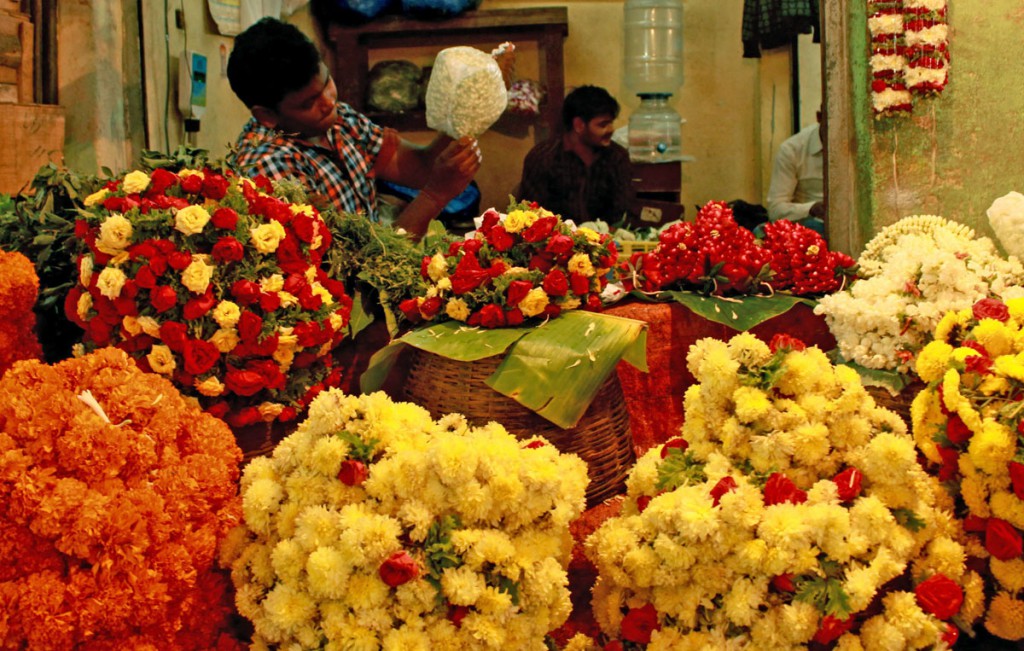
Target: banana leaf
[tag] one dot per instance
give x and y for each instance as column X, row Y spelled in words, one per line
column 890, row 380
column 740, row 313
column 554, row 369
column 361, row 316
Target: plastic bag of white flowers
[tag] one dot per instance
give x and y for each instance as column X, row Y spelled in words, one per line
column 911, row 274
column 792, row 513
column 375, row 527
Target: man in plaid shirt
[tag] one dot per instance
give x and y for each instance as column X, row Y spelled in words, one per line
column 299, row 129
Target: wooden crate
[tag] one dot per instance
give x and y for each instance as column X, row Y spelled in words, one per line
column 16, row 57
column 33, row 135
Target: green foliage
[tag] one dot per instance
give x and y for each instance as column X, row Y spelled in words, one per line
column 825, row 592
column 765, row 376
column 184, row 157
column 358, row 448
column 908, row 519
column 440, row 554
column 679, row 468
column 40, row 223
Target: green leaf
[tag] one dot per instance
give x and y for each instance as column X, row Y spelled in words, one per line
column 42, row 240
column 361, row 316
column 379, row 367
column 893, row 381
column 824, row 593
column 908, row 519
column 740, row 313
column 463, row 343
column 358, row 448
column 679, row 468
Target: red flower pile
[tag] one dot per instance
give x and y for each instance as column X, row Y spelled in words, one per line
column 715, row 255
column 527, row 264
column 214, row 282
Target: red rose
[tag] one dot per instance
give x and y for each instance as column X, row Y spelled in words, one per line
column 940, row 596
column 287, row 414
column 490, row 220
column 725, row 485
column 456, row 614
column 192, row 184
column 951, row 635
column 228, row 249
column 614, row 645
column 163, row 298
column 225, row 218
column 289, row 256
column 831, row 629
column 676, row 443
column 1017, row 478
column 472, row 247
column 1002, row 540
column 551, row 311
column 145, row 278
column 200, row 356
column 99, row 332
column 517, row 291
column 268, row 369
column 492, row 316
column 270, row 301
column 540, row 229
column 556, row 283
column 305, row 227
column 174, row 334
column 353, row 472
column 559, row 244
column 430, row 307
column 244, row 417
column 158, row 264
column 243, row 383
column 579, row 284
column 468, row 274
column 957, row 431
column 250, row 325
column 542, row 262
column 198, row 306
column 593, row 302
column 215, row 186
column 499, row 238
column 218, row 409
column 410, row 308
column 399, row 568
column 784, row 583
column 246, row 292
column 178, row 260
column 780, row 489
column 643, row 502
column 639, row 623
column 975, row 523
column 950, row 467
column 783, row 341
column 514, row 317
column 991, row 308
column 81, row 228
column 849, row 483
column 160, row 180
column 145, row 249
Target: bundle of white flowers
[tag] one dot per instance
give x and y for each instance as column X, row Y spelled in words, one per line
column 374, row 526
column 792, row 511
column 912, row 273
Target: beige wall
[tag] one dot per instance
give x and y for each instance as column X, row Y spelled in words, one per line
column 737, row 110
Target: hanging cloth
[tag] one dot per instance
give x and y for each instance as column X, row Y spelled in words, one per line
column 770, row 24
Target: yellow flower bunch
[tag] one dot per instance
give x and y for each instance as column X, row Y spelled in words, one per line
column 791, row 512
column 967, row 423
column 375, row 526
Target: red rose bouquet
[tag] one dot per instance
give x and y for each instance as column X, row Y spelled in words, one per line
column 214, row 282
column 715, row 255
column 526, row 264
column 114, row 495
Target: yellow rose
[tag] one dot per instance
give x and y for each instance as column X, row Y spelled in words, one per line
column 191, row 220
column 284, row 358
column 135, row 182
column 457, row 309
column 569, row 303
column 149, row 325
column 110, row 282
column 161, row 360
column 286, row 338
column 336, row 320
column 96, row 197
column 210, row 387
column 226, row 314
column 130, row 324
column 225, row 339
column 516, row 221
column 115, row 234
column 196, row 276
column 83, row 306
column 437, row 268
column 580, row 264
column 270, row 410
column 186, row 173
column 534, row 302
column 321, row 291
column 592, row 236
column 267, row 237
column 85, row 270
column 272, row 284
column 288, row 300
column 303, row 209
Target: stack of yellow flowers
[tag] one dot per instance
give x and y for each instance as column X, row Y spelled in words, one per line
column 374, row 526
column 791, row 512
column 967, row 422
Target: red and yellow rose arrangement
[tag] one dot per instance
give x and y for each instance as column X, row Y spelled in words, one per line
column 525, row 265
column 213, row 281
column 715, row 255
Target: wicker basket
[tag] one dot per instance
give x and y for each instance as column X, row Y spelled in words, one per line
column 899, row 403
column 601, row 438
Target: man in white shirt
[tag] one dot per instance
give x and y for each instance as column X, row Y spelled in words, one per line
column 797, row 189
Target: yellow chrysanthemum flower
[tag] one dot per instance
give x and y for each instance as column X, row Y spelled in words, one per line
column 457, row 309
column 950, row 322
column 933, row 360
column 995, row 336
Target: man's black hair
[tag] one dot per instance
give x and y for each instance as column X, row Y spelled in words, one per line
column 269, row 60
column 587, row 103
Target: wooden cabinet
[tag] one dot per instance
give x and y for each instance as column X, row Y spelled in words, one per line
column 546, row 26
column 657, row 187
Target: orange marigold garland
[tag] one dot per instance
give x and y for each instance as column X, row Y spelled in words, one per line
column 114, row 494
column 215, row 282
column 19, row 286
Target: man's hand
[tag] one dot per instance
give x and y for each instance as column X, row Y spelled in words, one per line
column 453, row 169
column 505, row 55
column 817, row 210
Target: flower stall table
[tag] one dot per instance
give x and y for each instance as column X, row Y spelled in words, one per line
column 655, row 399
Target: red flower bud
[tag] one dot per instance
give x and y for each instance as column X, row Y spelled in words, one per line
column 353, row 472
column 674, row 443
column 399, row 568
column 725, row 485
column 940, row 596
column 849, row 484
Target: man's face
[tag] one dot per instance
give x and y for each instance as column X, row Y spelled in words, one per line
column 309, row 111
column 598, row 132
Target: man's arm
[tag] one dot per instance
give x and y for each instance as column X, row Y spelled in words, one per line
column 785, row 176
column 440, row 170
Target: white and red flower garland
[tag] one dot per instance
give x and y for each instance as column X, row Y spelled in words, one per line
column 909, row 52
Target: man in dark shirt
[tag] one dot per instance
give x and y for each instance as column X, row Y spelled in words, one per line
column 580, row 173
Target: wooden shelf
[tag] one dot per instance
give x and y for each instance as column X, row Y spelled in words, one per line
column 547, row 26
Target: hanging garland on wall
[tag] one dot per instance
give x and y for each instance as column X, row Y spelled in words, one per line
column 909, row 52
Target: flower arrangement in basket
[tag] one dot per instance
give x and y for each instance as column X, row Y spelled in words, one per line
column 114, row 493
column 968, row 424
column 525, row 265
column 713, row 254
column 912, row 273
column 375, row 526
column 791, row 513
column 215, row 282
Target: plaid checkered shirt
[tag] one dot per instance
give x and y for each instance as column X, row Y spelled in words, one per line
column 339, row 176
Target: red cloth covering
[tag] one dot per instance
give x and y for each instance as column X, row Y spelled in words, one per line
column 655, row 399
